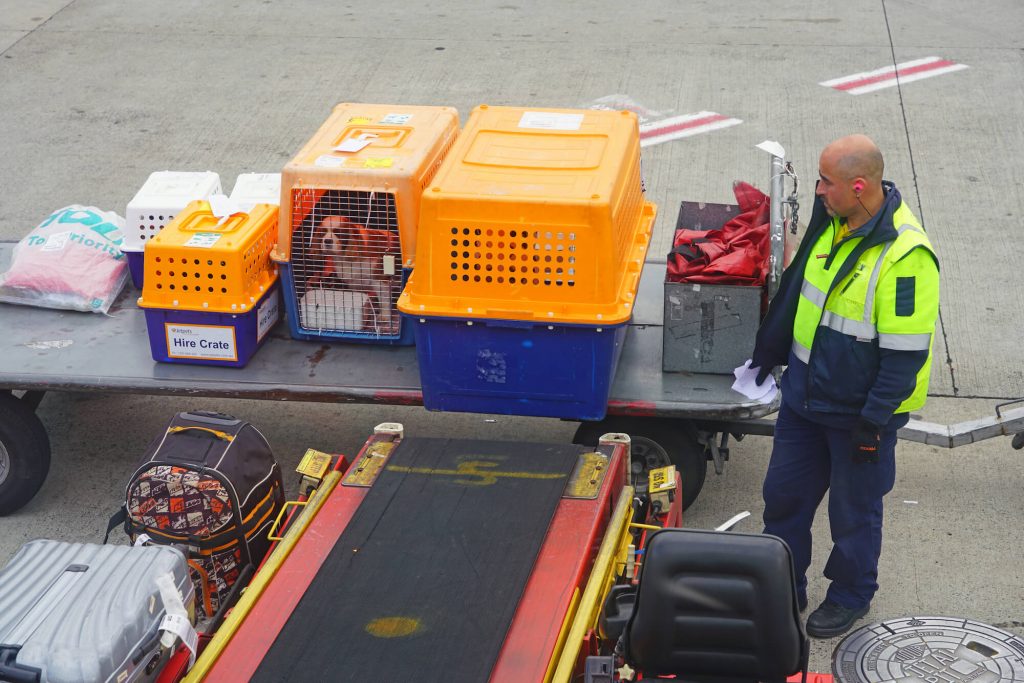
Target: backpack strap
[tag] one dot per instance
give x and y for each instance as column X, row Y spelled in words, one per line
column 120, row 517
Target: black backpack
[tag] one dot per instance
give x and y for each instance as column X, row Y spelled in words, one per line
column 209, row 483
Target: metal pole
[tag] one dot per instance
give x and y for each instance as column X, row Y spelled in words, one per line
column 777, row 225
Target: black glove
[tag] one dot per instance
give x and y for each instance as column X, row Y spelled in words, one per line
column 864, row 441
column 762, row 374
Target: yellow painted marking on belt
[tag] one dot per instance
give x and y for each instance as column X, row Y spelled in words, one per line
column 393, row 627
column 475, row 468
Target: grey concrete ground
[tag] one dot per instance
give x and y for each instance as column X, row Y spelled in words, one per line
column 94, row 95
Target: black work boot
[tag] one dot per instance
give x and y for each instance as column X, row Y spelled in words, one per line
column 832, row 619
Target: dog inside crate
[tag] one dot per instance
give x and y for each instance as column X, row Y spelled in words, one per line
column 346, row 260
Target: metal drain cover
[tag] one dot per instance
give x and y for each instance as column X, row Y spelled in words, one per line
column 929, row 649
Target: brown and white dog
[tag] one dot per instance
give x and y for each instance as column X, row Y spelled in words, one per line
column 354, row 255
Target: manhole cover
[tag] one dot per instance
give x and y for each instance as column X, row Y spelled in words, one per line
column 919, row 649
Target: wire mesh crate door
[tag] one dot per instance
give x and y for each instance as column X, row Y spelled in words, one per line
column 347, row 261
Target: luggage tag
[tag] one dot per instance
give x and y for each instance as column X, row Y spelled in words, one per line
column 176, row 621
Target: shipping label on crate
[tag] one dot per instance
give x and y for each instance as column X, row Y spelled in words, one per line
column 546, row 120
column 267, row 316
column 203, row 240
column 203, row 342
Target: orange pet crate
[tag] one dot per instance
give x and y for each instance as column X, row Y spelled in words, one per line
column 537, row 214
column 350, row 202
column 532, row 239
column 210, row 289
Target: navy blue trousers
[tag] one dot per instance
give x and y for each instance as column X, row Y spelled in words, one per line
column 807, row 460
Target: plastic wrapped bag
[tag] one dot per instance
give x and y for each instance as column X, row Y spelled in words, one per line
column 71, row 260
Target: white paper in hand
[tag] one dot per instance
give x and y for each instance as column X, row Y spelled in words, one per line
column 746, row 384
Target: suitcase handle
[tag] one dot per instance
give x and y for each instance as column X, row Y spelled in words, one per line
column 223, row 436
column 10, row 670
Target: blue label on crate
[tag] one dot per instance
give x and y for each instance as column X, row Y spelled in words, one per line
column 204, row 342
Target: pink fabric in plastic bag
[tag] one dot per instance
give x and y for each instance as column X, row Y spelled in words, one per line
column 71, row 260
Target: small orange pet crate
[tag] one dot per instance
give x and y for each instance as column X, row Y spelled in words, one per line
column 532, row 239
column 349, row 215
column 210, row 290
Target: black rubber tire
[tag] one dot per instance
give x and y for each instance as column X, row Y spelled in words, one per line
column 24, row 453
column 656, row 442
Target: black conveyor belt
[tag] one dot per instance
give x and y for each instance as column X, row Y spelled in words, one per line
column 424, row 581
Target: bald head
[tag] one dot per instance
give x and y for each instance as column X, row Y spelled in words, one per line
column 855, row 156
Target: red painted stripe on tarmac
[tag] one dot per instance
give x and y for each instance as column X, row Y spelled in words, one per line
column 892, row 76
column 653, row 132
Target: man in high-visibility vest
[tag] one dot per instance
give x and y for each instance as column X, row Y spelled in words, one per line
column 853, row 320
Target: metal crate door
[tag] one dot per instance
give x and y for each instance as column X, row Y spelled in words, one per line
column 346, row 262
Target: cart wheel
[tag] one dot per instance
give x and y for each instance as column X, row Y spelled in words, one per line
column 24, row 453
column 656, row 443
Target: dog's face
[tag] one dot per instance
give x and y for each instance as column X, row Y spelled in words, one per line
column 332, row 235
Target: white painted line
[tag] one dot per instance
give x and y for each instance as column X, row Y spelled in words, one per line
column 676, row 127
column 890, row 76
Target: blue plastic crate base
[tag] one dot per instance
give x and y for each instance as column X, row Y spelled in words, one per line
column 206, row 338
column 334, row 315
column 136, row 265
column 517, row 368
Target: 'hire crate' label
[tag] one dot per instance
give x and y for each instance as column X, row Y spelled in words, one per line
column 206, row 342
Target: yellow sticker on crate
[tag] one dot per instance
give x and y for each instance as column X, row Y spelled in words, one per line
column 378, row 162
column 360, row 119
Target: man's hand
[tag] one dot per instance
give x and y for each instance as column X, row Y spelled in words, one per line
column 762, row 375
column 864, row 441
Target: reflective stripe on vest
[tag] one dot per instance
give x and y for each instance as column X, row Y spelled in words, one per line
column 848, row 306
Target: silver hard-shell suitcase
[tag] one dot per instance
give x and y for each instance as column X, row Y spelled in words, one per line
column 77, row 612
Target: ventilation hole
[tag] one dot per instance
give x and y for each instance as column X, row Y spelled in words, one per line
column 536, row 269
column 159, row 286
column 151, row 218
column 172, row 286
column 501, row 268
column 511, row 280
column 465, row 231
column 512, row 233
column 171, row 273
column 476, row 243
column 511, row 269
column 198, row 276
column 170, row 259
column 570, row 283
column 572, row 271
column 501, row 245
column 223, row 276
column 465, row 278
column 209, row 276
column 465, row 254
column 488, row 267
column 558, row 282
column 501, row 280
column 501, row 233
column 223, row 290
column 209, row 263
column 210, row 289
column 477, row 231
column 476, row 278
column 489, row 232
column 489, row 244
column 222, row 264
column 547, row 235
column 455, row 254
column 525, row 245
column 196, row 262
column 488, row 278
column 465, row 243
column 454, row 276
column 455, row 231
column 465, row 266
column 455, row 243
column 572, row 236
column 476, row 266
column 561, row 236
column 536, row 281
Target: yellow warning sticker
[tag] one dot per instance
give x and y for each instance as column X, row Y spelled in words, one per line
column 378, row 162
column 360, row 119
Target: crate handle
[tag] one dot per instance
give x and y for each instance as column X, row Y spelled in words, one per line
column 277, row 522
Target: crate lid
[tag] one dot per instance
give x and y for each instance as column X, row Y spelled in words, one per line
column 256, row 188
column 372, row 141
column 203, row 262
column 176, row 187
